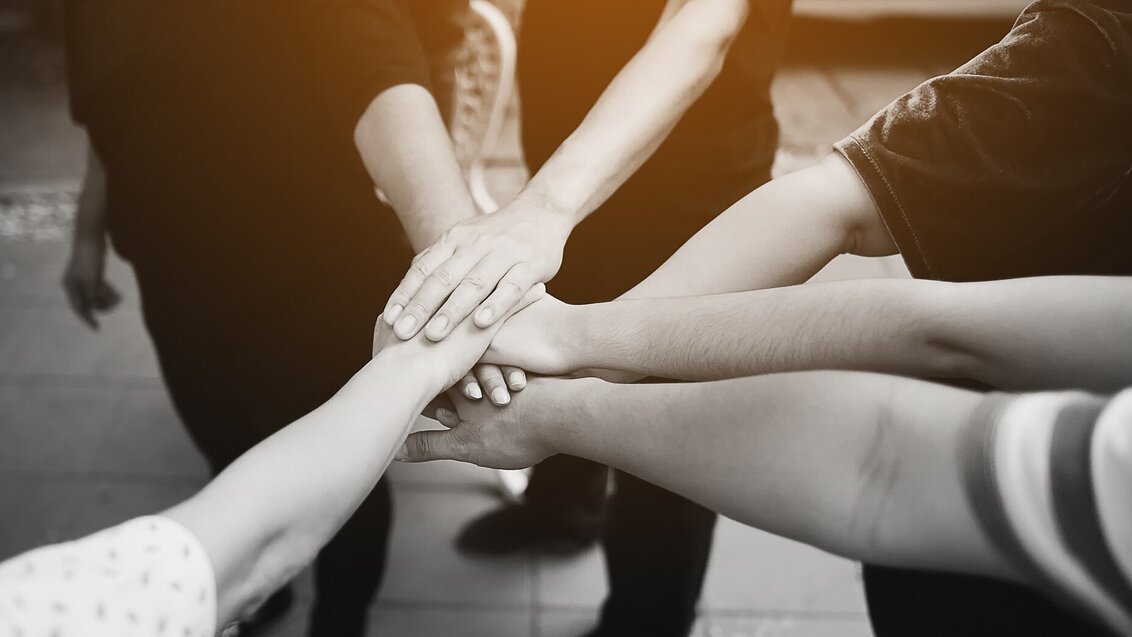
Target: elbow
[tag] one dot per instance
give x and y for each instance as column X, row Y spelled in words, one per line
column 717, row 33
column 945, row 348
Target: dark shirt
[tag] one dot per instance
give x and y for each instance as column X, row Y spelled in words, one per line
column 226, row 129
column 1018, row 163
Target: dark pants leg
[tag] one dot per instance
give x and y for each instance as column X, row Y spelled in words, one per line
column 235, row 381
column 657, row 545
column 568, row 489
column 903, row 602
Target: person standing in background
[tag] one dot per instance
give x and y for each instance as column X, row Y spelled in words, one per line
column 646, row 119
column 224, row 167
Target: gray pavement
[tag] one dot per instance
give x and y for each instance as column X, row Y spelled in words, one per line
column 88, row 437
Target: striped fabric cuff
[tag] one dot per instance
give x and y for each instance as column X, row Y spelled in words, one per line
column 1029, row 471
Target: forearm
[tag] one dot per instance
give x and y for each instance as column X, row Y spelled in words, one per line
column 408, row 153
column 295, row 489
column 638, row 109
column 861, row 465
column 1026, row 334
column 780, row 234
column 90, row 212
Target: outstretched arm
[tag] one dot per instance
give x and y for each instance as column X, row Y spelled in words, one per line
column 1020, row 334
column 490, row 262
column 780, row 234
column 861, row 465
column 296, row 489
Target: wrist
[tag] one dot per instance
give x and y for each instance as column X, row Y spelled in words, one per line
column 579, row 339
column 560, row 215
column 557, row 410
column 411, row 367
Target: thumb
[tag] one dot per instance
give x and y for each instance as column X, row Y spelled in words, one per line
column 425, row 446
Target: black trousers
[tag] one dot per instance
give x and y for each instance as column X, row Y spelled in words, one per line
column 240, row 362
column 657, row 544
column 903, row 602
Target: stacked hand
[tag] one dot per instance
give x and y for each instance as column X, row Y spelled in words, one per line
column 481, row 268
column 449, row 360
column 485, row 434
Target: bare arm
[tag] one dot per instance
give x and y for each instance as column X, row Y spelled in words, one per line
column 490, row 262
column 408, row 153
column 295, row 489
column 780, row 234
column 1021, row 334
column 639, row 108
column 861, row 465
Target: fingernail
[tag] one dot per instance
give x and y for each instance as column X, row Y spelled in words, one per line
column 392, row 313
column 473, row 391
column 405, row 326
column 500, row 396
column 439, row 324
column 485, row 315
column 402, row 454
column 516, row 380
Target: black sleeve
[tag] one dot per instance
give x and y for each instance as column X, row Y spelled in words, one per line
column 99, row 37
column 973, row 169
column 363, row 47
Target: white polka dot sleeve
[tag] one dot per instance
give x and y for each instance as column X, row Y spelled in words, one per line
column 148, row 576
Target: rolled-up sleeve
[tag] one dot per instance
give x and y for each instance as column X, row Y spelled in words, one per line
column 972, row 169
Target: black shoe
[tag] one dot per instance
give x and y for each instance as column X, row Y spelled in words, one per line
column 269, row 614
column 515, row 528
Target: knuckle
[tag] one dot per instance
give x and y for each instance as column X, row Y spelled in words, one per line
column 419, row 269
column 443, row 276
column 511, row 286
column 417, row 307
column 473, row 283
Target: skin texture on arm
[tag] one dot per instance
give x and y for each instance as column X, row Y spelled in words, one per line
column 861, row 465
column 490, row 262
column 780, row 234
column 294, row 490
column 408, row 153
column 1020, row 334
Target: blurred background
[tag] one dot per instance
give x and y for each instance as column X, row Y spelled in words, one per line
column 88, row 437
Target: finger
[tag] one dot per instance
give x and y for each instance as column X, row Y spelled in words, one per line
column 424, row 446
column 443, row 401
column 75, row 299
column 491, row 379
column 516, row 378
column 470, row 387
column 106, row 297
column 422, row 265
column 472, row 290
column 435, row 289
column 447, row 417
column 510, row 290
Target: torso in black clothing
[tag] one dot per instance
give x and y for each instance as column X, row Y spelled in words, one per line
column 221, row 150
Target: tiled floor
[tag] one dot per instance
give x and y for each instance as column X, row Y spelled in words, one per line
column 87, row 435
